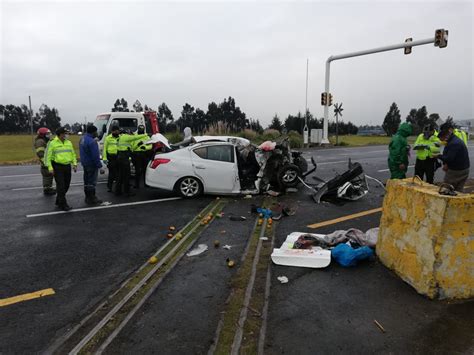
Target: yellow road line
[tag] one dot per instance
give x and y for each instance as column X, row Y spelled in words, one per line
column 345, row 218
column 26, row 297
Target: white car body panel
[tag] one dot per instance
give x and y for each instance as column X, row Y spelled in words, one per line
column 217, row 177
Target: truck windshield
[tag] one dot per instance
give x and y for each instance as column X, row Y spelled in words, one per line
column 101, row 124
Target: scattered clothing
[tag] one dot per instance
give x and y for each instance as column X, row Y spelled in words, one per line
column 347, row 256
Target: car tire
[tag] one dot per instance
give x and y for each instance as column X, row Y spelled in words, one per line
column 288, row 176
column 189, row 187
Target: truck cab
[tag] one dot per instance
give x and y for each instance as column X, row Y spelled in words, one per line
column 127, row 121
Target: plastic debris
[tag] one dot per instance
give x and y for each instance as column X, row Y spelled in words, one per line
column 347, row 256
column 273, row 193
column 201, row 248
column 170, row 235
column 227, row 247
column 247, row 197
column 106, row 203
column 178, row 236
column 291, row 189
column 237, row 218
column 153, row 260
column 267, row 146
column 264, row 238
column 172, row 228
column 312, row 258
column 283, row 279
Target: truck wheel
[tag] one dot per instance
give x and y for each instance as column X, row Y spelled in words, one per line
column 288, row 176
column 189, row 187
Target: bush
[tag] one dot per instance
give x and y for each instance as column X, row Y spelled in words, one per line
column 270, row 134
column 217, row 129
column 296, row 139
column 174, row 137
column 248, row 134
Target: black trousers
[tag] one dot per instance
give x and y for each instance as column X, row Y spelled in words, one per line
column 425, row 167
column 140, row 160
column 62, row 176
column 112, row 165
column 123, row 181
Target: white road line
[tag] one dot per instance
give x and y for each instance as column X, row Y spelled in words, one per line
column 14, row 176
column 103, row 207
column 329, row 162
column 40, row 187
column 384, row 170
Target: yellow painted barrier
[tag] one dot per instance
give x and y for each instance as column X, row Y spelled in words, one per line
column 428, row 239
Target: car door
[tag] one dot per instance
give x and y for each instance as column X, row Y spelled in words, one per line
column 216, row 166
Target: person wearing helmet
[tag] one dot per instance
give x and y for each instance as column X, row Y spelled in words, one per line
column 41, row 142
column 398, row 152
column 140, row 153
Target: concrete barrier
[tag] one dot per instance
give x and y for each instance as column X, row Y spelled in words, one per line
column 428, row 239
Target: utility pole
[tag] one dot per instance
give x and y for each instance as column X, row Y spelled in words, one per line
column 440, row 40
column 31, row 125
column 306, row 130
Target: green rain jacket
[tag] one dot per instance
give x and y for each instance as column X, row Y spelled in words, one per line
column 398, row 151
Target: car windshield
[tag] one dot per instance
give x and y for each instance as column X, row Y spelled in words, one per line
column 101, row 124
column 126, row 123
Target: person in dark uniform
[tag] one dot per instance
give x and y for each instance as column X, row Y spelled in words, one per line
column 110, row 156
column 124, row 151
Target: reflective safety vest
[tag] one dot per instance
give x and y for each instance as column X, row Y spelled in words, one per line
column 125, row 142
column 426, row 148
column 142, row 147
column 461, row 135
column 110, row 146
column 61, row 153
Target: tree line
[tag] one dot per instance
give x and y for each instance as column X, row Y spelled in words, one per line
column 16, row 119
column 419, row 118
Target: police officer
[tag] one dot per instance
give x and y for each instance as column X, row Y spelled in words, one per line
column 59, row 159
column 140, row 154
column 110, row 156
column 41, row 142
column 124, row 150
column 427, row 147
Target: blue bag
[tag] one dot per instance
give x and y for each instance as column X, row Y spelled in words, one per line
column 346, row 256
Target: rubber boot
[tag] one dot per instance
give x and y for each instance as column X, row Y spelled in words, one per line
column 89, row 197
column 96, row 200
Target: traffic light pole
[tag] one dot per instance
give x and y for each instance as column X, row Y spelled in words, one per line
column 421, row 42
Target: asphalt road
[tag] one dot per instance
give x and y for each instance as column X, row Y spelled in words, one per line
column 85, row 255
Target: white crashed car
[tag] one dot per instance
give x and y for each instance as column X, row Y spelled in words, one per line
column 211, row 165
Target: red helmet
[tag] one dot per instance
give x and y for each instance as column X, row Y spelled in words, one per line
column 43, row 131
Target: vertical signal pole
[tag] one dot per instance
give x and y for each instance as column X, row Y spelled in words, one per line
column 306, row 129
column 31, row 125
column 440, row 40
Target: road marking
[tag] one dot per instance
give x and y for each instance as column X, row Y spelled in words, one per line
column 14, row 176
column 40, row 187
column 345, row 218
column 329, row 162
column 103, row 207
column 384, row 170
column 26, row 297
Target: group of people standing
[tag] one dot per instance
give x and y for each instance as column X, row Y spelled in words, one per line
column 454, row 159
column 58, row 159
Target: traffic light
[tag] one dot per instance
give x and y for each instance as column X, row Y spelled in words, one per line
column 441, row 38
column 324, row 98
column 408, row 49
column 330, row 100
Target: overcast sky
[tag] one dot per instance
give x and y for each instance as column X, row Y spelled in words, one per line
column 80, row 56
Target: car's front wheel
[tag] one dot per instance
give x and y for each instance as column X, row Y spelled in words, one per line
column 189, row 187
column 288, row 176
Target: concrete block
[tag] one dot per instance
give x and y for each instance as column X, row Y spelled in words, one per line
column 428, row 239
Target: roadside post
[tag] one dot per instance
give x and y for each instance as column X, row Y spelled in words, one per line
column 440, row 40
column 337, row 112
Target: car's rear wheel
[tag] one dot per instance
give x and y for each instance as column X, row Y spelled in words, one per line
column 189, row 187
